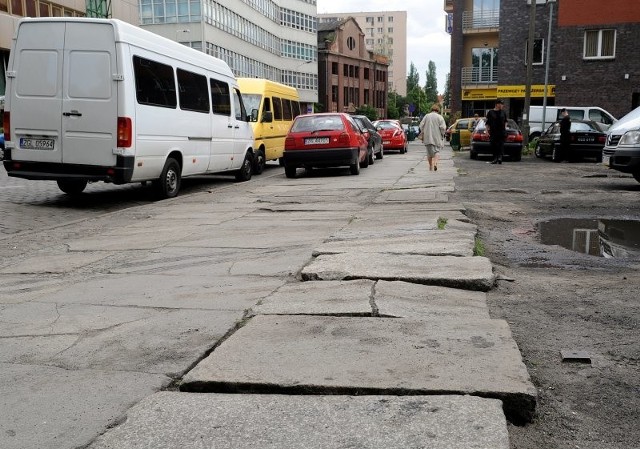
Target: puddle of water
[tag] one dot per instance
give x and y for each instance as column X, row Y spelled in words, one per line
column 597, row 237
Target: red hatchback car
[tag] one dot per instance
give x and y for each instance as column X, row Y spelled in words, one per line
column 393, row 136
column 330, row 139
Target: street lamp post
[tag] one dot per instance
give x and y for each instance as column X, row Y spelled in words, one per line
column 527, row 91
column 546, row 69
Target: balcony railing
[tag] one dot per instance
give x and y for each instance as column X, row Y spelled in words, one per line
column 480, row 20
column 477, row 75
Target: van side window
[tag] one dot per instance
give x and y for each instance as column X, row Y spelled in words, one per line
column 576, row 114
column 194, row 95
column 220, row 97
column 266, row 105
column 286, row 106
column 155, row 85
column 599, row 116
column 277, row 108
column 296, row 108
column 241, row 112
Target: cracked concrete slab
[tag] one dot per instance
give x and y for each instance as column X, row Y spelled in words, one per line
column 407, row 300
column 345, row 298
column 53, row 263
column 428, row 243
column 345, row 355
column 48, row 407
column 171, row 420
column 472, row 273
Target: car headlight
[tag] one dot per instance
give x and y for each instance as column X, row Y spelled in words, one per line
column 630, row 138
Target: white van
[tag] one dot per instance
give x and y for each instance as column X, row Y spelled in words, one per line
column 552, row 114
column 102, row 100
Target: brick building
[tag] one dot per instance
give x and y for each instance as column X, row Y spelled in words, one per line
column 351, row 76
column 592, row 61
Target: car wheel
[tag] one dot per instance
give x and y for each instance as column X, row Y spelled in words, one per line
column 516, row 157
column 259, row 162
column 72, row 186
column 365, row 161
column 246, row 170
column 168, row 185
column 473, row 155
column 380, row 155
column 290, row 171
column 372, row 159
column 538, row 151
column 355, row 168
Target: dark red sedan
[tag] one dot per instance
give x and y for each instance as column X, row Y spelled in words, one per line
column 331, row 139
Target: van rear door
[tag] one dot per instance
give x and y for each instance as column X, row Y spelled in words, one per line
column 64, row 106
column 89, row 95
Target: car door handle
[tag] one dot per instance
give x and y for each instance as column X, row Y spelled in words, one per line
column 237, row 127
column 229, row 125
column 73, row 112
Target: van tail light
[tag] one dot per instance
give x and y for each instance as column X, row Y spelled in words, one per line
column 344, row 139
column 125, row 131
column 6, row 122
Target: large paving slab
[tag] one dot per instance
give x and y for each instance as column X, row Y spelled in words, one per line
column 434, row 243
column 345, row 355
column 53, row 408
column 472, row 273
column 185, row 420
column 340, row 298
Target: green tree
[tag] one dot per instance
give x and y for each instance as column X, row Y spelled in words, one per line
column 413, row 78
column 393, row 105
column 369, row 111
column 431, row 87
column 446, row 97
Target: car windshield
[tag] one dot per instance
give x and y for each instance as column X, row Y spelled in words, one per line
column 318, row 123
column 386, row 125
column 583, row 127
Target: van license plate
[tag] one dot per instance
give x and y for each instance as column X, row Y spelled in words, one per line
column 316, row 141
column 36, row 144
column 605, row 160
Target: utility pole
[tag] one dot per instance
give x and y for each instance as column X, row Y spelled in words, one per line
column 527, row 89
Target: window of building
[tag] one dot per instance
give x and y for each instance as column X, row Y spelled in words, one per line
column 380, row 30
column 599, row 44
column 16, row 8
column 538, row 51
column 390, row 19
column 370, row 20
column 369, row 41
column 334, row 68
column 4, row 5
column 390, row 30
column 389, row 40
column 484, row 65
column 351, row 43
column 380, row 19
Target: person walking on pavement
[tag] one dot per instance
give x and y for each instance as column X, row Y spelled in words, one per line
column 432, row 128
column 565, row 135
column 496, row 125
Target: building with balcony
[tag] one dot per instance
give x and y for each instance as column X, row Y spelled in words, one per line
column 385, row 34
column 592, row 54
column 351, row 75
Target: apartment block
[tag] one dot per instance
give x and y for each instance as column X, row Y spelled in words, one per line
column 592, row 59
column 385, row 34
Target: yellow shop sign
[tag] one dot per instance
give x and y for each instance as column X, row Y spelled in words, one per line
column 479, row 94
column 537, row 90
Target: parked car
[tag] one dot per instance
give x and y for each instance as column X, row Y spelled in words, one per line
column 393, row 136
column 464, row 126
column 622, row 148
column 325, row 140
column 587, row 140
column 480, row 142
column 374, row 140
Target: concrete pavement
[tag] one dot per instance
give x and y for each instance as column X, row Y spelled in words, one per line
column 329, row 286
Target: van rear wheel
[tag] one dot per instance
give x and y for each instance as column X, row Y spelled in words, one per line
column 259, row 161
column 168, row 185
column 72, row 186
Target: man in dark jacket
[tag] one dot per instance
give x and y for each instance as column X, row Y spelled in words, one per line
column 496, row 125
column 565, row 135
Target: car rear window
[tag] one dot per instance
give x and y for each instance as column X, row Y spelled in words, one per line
column 387, row 125
column 318, row 123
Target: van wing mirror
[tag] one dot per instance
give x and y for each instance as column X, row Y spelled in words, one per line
column 254, row 115
column 267, row 117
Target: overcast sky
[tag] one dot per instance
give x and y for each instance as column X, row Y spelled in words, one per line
column 426, row 36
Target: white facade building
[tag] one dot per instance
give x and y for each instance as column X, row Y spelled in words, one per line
column 268, row 39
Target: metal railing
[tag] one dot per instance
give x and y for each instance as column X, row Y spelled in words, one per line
column 481, row 20
column 478, row 75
